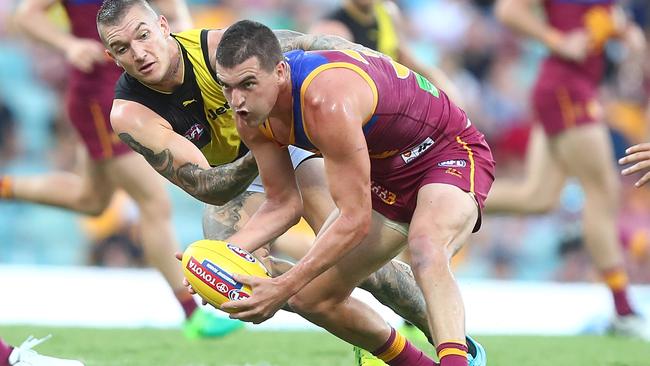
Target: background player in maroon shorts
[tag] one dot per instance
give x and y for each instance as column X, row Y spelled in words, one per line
column 570, row 138
column 111, row 164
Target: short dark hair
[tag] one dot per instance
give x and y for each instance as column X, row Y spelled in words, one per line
column 112, row 11
column 246, row 39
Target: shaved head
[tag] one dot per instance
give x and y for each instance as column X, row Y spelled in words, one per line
column 112, row 11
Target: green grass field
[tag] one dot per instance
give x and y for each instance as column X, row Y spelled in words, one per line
column 144, row 347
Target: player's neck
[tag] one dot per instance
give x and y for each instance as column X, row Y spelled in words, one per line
column 283, row 109
column 176, row 73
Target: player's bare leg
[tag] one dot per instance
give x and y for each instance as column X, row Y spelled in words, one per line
column 442, row 223
column 132, row 173
column 325, row 301
column 89, row 191
column 594, row 167
column 541, row 187
column 147, row 188
column 393, row 284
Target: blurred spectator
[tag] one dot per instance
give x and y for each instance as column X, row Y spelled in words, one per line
column 8, row 141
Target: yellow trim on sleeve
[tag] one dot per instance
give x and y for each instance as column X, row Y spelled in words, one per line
column 345, row 65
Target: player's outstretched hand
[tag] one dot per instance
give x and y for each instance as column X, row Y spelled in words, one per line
column 639, row 154
column 186, row 283
column 83, row 54
column 267, row 298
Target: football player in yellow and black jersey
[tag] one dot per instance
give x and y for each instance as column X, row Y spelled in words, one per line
column 377, row 24
column 170, row 109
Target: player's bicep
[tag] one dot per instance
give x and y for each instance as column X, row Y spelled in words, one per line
column 335, row 127
column 151, row 136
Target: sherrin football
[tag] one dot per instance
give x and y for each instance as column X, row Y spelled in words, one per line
column 208, row 265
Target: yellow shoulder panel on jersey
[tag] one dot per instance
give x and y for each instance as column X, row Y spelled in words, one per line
column 224, row 144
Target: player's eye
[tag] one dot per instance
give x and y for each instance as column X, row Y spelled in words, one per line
column 121, row 50
column 144, row 35
column 249, row 85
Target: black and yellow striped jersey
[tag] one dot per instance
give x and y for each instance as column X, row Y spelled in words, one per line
column 197, row 109
column 380, row 35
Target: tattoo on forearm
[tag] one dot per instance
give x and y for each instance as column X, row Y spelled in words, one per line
column 162, row 162
column 394, row 286
column 216, row 185
column 221, row 222
column 220, row 184
column 290, row 40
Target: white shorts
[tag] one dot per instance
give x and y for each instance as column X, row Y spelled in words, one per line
column 298, row 155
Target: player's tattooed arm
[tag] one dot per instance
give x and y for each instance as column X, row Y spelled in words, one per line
column 291, row 40
column 220, row 222
column 394, row 286
column 216, row 185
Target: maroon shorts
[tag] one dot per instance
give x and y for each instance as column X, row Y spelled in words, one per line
column 464, row 161
column 563, row 103
column 89, row 113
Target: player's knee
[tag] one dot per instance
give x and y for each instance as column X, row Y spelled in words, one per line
column 94, row 205
column 311, row 306
column 372, row 284
column 427, row 256
column 155, row 207
column 604, row 194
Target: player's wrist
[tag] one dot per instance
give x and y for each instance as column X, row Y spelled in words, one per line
column 291, row 281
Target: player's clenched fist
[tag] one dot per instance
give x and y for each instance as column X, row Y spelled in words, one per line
column 640, row 155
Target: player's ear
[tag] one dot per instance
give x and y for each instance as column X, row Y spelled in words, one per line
column 282, row 70
column 110, row 57
column 164, row 25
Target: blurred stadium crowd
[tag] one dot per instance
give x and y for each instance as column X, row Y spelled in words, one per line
column 492, row 69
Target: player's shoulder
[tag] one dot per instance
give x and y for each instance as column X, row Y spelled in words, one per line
column 129, row 115
column 323, row 94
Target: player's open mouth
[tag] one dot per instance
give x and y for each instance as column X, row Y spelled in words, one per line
column 242, row 113
column 146, row 68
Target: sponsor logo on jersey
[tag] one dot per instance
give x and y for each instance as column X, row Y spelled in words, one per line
column 241, row 252
column 188, row 102
column 453, row 163
column 412, row 154
column 195, row 132
column 454, row 172
column 214, row 276
column 382, row 193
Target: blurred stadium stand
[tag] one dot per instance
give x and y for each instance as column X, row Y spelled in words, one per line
column 492, row 69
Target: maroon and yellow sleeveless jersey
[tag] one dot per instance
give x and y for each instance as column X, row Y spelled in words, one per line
column 89, row 96
column 594, row 16
column 565, row 93
column 415, row 134
column 82, row 15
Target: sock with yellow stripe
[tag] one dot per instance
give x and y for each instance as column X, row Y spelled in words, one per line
column 397, row 351
column 6, row 187
column 617, row 281
column 452, row 354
